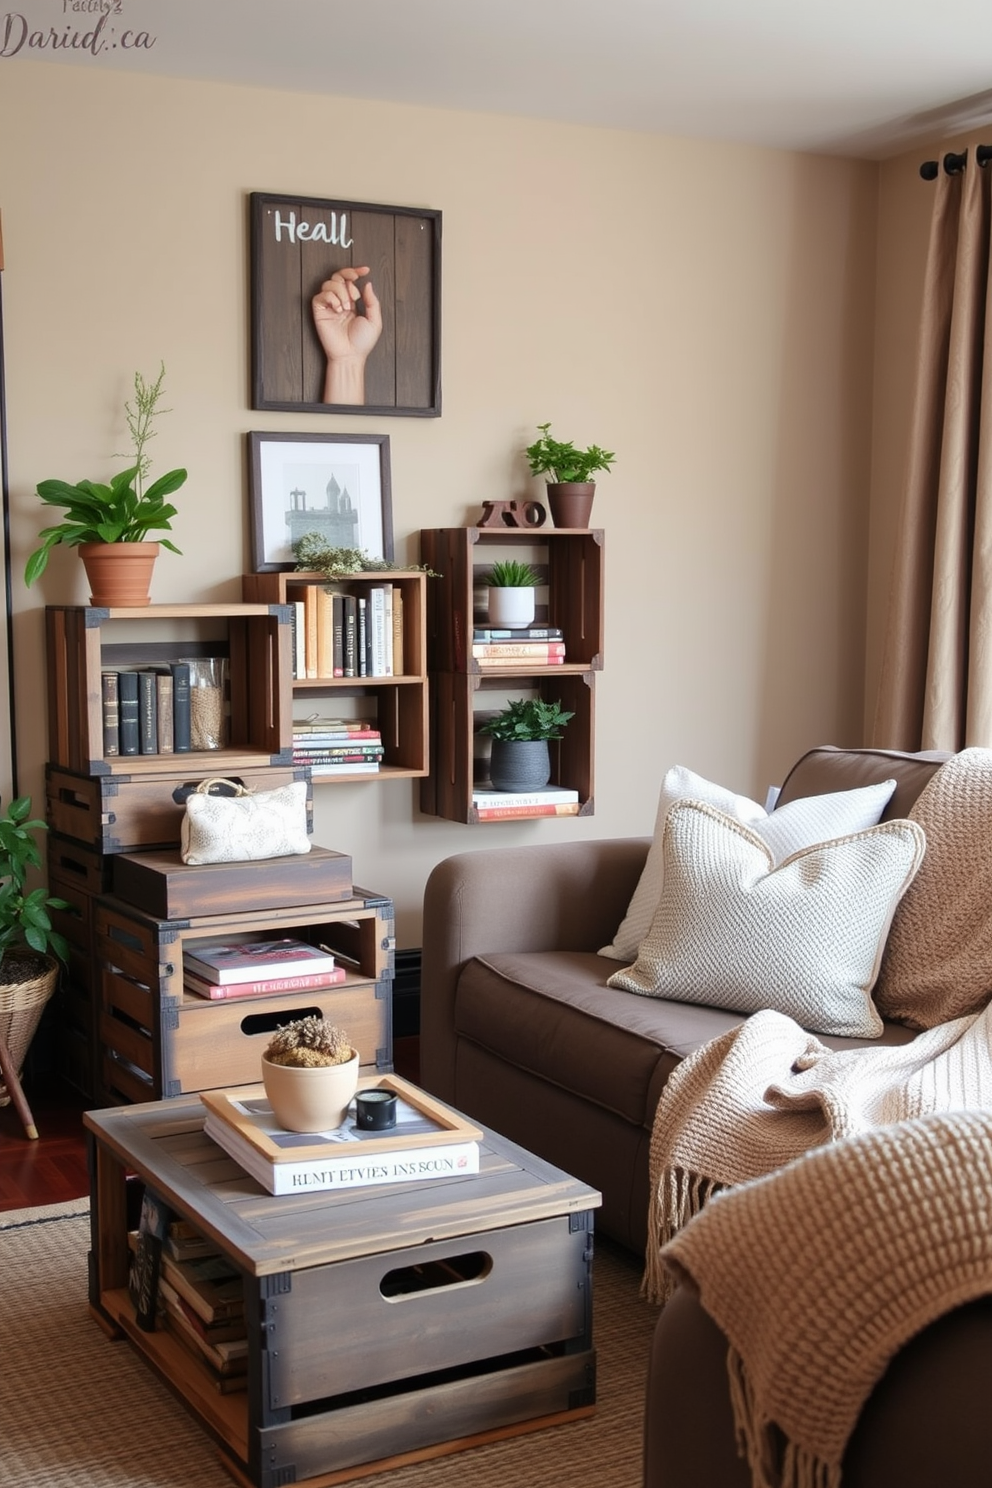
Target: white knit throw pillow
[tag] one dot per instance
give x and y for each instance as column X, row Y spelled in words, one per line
column 796, row 825
column 805, row 938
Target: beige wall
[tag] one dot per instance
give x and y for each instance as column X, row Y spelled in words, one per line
column 705, row 310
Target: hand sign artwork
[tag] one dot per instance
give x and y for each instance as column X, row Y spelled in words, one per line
column 346, row 334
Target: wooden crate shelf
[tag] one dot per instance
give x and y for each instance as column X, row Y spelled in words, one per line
column 570, row 565
column 399, row 703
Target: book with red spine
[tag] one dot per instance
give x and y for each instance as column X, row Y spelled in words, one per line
column 535, row 649
column 509, row 813
column 313, row 982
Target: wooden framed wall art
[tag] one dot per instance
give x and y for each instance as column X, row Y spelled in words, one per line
column 334, row 485
column 345, row 307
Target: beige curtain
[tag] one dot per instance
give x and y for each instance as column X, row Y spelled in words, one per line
column 935, row 690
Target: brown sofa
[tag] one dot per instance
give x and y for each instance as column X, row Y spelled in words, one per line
column 518, row 1027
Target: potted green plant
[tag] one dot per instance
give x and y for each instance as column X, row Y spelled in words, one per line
column 28, row 943
column 570, row 488
column 520, row 759
column 110, row 523
column 310, row 1074
column 511, row 586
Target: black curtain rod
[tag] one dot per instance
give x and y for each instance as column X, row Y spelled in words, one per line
column 930, row 169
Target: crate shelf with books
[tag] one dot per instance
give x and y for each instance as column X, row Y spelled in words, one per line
column 467, row 682
column 254, row 643
column 393, row 702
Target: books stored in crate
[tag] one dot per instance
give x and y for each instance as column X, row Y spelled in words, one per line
column 181, row 708
column 509, row 813
column 361, row 749
column 147, row 1259
column 522, row 663
column 429, row 1141
column 234, row 961
column 263, row 987
column 315, row 724
column 127, row 693
column 489, row 650
column 548, row 795
column 485, row 633
column 111, row 713
column 184, row 1242
column 164, row 697
column 352, row 767
column 211, row 1285
column 325, row 633
column 226, row 1359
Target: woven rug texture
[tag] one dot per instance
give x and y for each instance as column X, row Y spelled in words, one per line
column 79, row 1411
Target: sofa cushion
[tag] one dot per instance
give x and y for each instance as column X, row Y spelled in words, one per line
column 795, row 825
column 805, row 938
column 552, row 1014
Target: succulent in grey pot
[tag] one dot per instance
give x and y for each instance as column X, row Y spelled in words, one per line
column 521, row 760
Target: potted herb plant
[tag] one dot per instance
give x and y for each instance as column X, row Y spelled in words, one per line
column 28, row 943
column 110, row 523
column 520, row 759
column 511, row 587
column 569, row 473
column 310, row 1074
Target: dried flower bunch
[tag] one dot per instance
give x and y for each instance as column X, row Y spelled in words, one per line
column 308, row 1043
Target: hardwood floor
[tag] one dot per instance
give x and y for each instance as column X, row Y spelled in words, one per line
column 53, row 1169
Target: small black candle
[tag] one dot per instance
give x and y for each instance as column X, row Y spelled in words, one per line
column 375, row 1110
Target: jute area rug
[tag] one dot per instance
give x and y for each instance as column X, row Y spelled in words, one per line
column 79, row 1411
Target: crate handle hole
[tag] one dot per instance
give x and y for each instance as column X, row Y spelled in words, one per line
column 256, row 1023
column 434, row 1276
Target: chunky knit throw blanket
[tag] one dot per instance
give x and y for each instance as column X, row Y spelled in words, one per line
column 819, row 1273
column 763, row 1094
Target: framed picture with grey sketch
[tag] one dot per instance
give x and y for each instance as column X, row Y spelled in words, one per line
column 334, row 485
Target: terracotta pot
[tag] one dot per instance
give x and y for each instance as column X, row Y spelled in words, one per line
column 120, row 574
column 310, row 1100
column 511, row 607
column 571, row 503
column 519, row 764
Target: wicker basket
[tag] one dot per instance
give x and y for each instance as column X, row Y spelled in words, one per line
column 27, row 981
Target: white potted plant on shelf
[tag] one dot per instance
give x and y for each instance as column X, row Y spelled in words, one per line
column 511, row 586
column 310, row 1074
column 110, row 523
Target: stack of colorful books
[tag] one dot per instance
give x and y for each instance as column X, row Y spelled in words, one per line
column 221, row 969
column 519, row 649
column 550, row 800
column 337, row 746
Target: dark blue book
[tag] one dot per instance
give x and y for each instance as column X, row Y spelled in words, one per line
column 127, row 704
column 180, row 707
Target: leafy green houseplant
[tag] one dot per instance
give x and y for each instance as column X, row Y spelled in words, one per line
column 512, row 575
column 520, row 758
column 99, row 517
column 25, row 925
column 28, row 944
column 568, row 472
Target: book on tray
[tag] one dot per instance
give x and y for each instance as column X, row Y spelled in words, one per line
column 236, row 961
column 428, row 1142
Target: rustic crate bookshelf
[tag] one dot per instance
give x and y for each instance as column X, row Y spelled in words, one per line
column 400, row 703
column 84, row 640
column 569, row 563
column 158, row 1041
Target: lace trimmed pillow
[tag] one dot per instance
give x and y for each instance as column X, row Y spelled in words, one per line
column 796, row 825
column 805, row 938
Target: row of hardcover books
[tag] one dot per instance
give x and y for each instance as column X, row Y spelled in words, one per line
column 337, row 746
column 147, row 710
column 339, row 634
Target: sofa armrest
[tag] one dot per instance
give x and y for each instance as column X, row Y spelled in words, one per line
column 562, row 896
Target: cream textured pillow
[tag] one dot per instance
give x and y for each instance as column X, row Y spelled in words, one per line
column 805, row 938
column 793, row 826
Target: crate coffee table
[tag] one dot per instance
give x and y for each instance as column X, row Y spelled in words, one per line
column 384, row 1324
